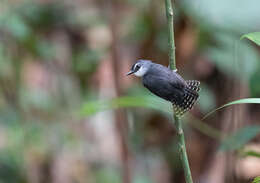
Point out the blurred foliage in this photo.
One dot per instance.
(53, 65)
(152, 102)
(251, 153)
(256, 180)
(224, 27)
(254, 36)
(240, 138)
(236, 16)
(207, 99)
(240, 101)
(232, 55)
(107, 176)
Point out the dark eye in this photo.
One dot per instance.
(137, 67)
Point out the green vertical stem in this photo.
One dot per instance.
(169, 15)
(182, 150)
(172, 62)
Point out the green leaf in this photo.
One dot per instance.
(151, 102)
(256, 180)
(232, 52)
(145, 101)
(240, 138)
(254, 36)
(240, 101)
(223, 15)
(251, 153)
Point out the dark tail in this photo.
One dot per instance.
(190, 97)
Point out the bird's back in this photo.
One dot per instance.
(170, 86)
(164, 82)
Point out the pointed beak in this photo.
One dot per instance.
(129, 73)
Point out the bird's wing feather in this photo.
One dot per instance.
(172, 87)
(163, 87)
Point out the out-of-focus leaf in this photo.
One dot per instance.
(11, 169)
(141, 28)
(240, 101)
(230, 55)
(156, 103)
(139, 3)
(219, 25)
(254, 84)
(36, 99)
(91, 108)
(86, 61)
(42, 16)
(240, 138)
(107, 175)
(256, 180)
(236, 15)
(204, 128)
(5, 63)
(142, 179)
(44, 49)
(252, 153)
(16, 26)
(207, 99)
(254, 36)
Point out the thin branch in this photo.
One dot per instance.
(172, 62)
(182, 150)
(171, 44)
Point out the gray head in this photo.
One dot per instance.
(140, 68)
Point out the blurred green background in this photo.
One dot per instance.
(68, 113)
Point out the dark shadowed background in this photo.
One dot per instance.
(68, 113)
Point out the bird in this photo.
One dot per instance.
(167, 84)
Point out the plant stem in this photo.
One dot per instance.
(171, 44)
(182, 150)
(172, 62)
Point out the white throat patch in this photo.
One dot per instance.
(141, 72)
